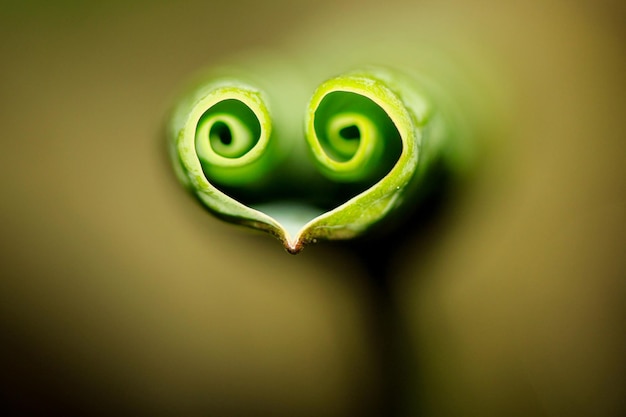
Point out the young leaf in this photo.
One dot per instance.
(371, 136)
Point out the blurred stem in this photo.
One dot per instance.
(390, 331)
(388, 335)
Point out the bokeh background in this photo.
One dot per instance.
(119, 295)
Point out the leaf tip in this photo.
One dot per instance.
(293, 247)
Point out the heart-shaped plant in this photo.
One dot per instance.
(367, 140)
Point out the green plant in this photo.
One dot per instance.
(365, 144)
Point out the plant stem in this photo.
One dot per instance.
(391, 339)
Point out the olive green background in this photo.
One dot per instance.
(120, 295)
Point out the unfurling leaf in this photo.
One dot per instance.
(366, 139)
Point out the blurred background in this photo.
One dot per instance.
(119, 295)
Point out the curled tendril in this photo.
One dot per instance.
(229, 141)
(352, 138)
(227, 135)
